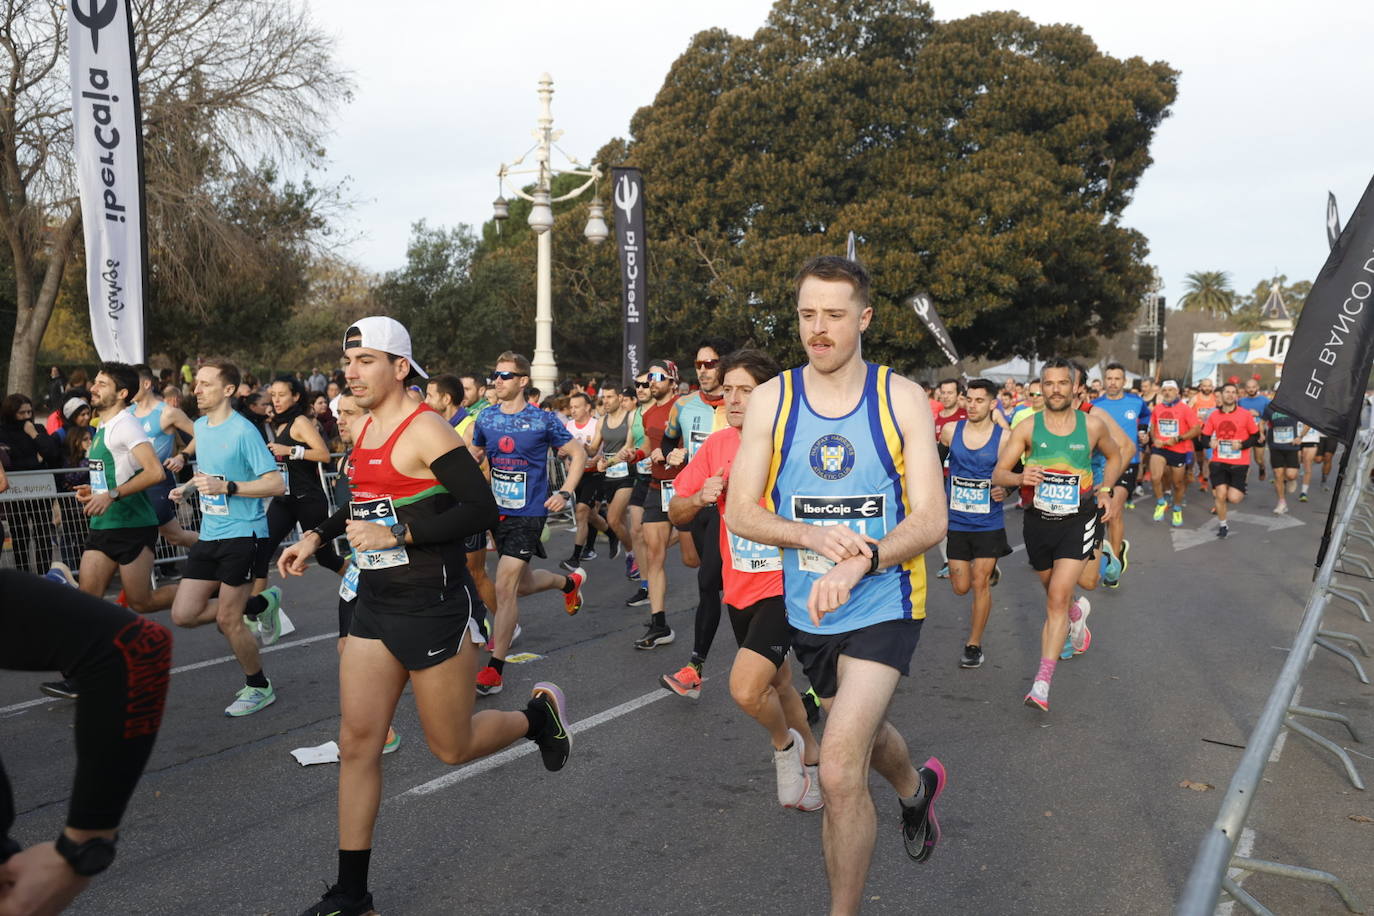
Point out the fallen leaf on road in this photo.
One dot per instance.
(1049, 814)
(1361, 819)
(1195, 786)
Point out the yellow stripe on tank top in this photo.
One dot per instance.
(914, 569)
(779, 437)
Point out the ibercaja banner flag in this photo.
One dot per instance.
(1328, 361)
(628, 196)
(925, 310)
(109, 169)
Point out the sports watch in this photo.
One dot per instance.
(89, 858)
(398, 531)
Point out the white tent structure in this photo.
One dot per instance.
(1020, 370)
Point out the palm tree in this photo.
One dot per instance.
(1209, 292)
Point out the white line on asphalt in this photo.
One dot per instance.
(514, 753)
(194, 666)
(1244, 847)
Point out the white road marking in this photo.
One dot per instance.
(194, 666)
(514, 753)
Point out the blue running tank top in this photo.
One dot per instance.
(152, 428)
(971, 506)
(846, 470)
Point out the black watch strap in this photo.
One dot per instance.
(89, 858)
(873, 560)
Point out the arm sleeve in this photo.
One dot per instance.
(474, 511)
(120, 661)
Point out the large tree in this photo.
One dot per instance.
(986, 160)
(222, 82)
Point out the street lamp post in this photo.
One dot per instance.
(543, 369)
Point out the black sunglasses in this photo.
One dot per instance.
(504, 375)
(641, 384)
(707, 363)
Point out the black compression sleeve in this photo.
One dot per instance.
(476, 507)
(334, 526)
(121, 664)
(669, 443)
(1253, 441)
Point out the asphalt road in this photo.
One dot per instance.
(667, 805)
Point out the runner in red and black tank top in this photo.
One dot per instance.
(655, 424)
(434, 572)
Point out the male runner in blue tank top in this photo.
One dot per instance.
(977, 530)
(844, 453)
(1130, 412)
(161, 422)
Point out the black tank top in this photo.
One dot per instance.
(302, 475)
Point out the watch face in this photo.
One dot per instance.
(96, 857)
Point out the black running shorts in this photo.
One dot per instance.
(1128, 478)
(1073, 537)
(976, 545)
(123, 545)
(1229, 475)
(640, 492)
(653, 507)
(890, 643)
(519, 536)
(229, 560)
(1172, 458)
(1281, 458)
(613, 485)
(420, 638)
(1327, 445)
(588, 491)
(163, 507)
(762, 627)
(475, 543)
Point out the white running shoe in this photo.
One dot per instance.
(1078, 629)
(1039, 696)
(812, 800)
(791, 772)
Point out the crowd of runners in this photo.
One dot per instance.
(802, 500)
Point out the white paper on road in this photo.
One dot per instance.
(325, 753)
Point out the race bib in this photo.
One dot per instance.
(1205, 412)
(1057, 494)
(381, 512)
(348, 586)
(865, 514)
(750, 557)
(969, 495)
(695, 439)
(218, 504)
(618, 471)
(1168, 429)
(1227, 448)
(1283, 435)
(509, 488)
(645, 467)
(98, 482)
(286, 478)
(666, 494)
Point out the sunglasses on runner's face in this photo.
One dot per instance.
(659, 377)
(1037, 394)
(707, 363)
(641, 384)
(504, 375)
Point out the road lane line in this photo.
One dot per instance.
(194, 666)
(514, 753)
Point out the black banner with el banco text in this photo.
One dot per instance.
(627, 196)
(1327, 365)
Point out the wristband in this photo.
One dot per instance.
(567, 497)
(298, 452)
(231, 488)
(873, 561)
(1107, 490)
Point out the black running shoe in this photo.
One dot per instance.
(654, 637)
(554, 742)
(813, 706)
(570, 564)
(973, 657)
(920, 828)
(62, 690)
(336, 903)
(995, 577)
(639, 598)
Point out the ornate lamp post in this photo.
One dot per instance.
(544, 371)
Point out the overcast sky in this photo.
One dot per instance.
(1269, 113)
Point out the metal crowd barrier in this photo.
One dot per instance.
(1353, 526)
(44, 522)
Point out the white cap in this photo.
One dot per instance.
(1169, 383)
(386, 334)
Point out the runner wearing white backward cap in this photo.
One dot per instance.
(379, 332)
